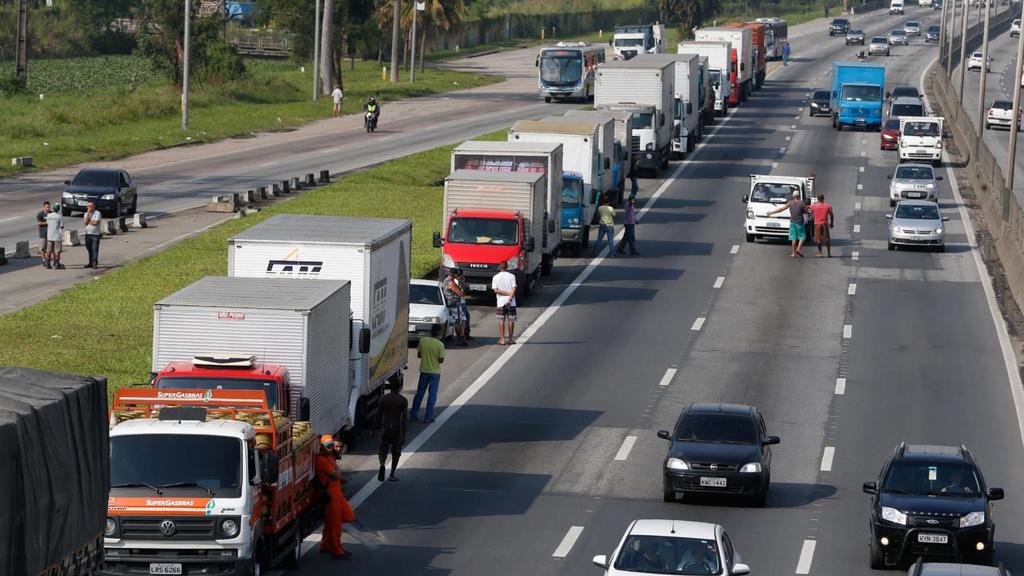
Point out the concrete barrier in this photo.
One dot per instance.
(3, 256)
(23, 161)
(285, 187)
(228, 203)
(71, 238)
(277, 190)
(122, 223)
(21, 250)
(296, 183)
(109, 227)
(139, 220)
(325, 176)
(259, 193)
(310, 180)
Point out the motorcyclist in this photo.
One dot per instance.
(372, 110)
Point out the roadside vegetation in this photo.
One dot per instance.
(117, 345)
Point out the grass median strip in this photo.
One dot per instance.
(106, 326)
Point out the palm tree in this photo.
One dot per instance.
(439, 16)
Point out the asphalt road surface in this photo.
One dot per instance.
(541, 458)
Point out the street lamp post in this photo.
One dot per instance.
(184, 68)
(415, 17)
(316, 54)
(963, 50)
(949, 49)
(984, 74)
(943, 35)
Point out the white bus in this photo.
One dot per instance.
(776, 34)
(567, 69)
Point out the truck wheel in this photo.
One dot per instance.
(689, 143)
(547, 99)
(292, 559)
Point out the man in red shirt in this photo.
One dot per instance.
(824, 219)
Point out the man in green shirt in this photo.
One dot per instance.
(431, 354)
(605, 226)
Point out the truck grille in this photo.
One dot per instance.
(634, 145)
(185, 528)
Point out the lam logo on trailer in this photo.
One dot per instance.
(291, 265)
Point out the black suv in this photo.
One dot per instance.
(931, 501)
(839, 27)
(718, 448)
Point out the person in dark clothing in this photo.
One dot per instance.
(797, 229)
(394, 418)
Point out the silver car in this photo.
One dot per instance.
(879, 46)
(913, 181)
(912, 28)
(854, 36)
(898, 38)
(917, 223)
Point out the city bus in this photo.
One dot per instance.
(567, 70)
(776, 34)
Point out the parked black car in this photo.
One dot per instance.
(839, 27)
(820, 104)
(113, 191)
(718, 448)
(931, 502)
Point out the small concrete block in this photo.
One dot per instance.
(23, 161)
(71, 238)
(109, 227)
(268, 191)
(214, 199)
(296, 183)
(3, 256)
(259, 193)
(325, 176)
(139, 220)
(286, 187)
(122, 223)
(221, 207)
(21, 249)
(240, 199)
(310, 180)
(277, 190)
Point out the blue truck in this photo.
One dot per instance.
(857, 94)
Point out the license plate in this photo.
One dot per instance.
(478, 287)
(412, 327)
(861, 120)
(165, 568)
(83, 202)
(712, 482)
(933, 538)
(775, 224)
(915, 195)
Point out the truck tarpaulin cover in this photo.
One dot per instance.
(54, 474)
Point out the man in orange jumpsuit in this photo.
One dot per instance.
(337, 509)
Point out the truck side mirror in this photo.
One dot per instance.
(689, 108)
(551, 226)
(364, 341)
(437, 240)
(607, 163)
(303, 410)
(271, 464)
(661, 115)
(744, 198)
(536, 62)
(529, 244)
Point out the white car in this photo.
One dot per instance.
(427, 305)
(1015, 28)
(975, 62)
(673, 547)
(1000, 114)
(913, 181)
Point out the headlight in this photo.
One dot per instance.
(229, 528)
(938, 230)
(972, 519)
(68, 195)
(110, 528)
(574, 221)
(897, 230)
(938, 144)
(650, 146)
(750, 214)
(751, 468)
(447, 261)
(930, 186)
(893, 515)
(676, 464)
(887, 137)
(432, 320)
(903, 143)
(513, 262)
(107, 197)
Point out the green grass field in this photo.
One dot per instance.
(89, 114)
(105, 326)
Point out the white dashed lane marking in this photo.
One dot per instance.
(719, 281)
(856, 228)
(803, 564)
(627, 445)
(698, 324)
(840, 386)
(826, 458)
(568, 541)
(667, 378)
(851, 289)
(855, 255)
(735, 249)
(847, 331)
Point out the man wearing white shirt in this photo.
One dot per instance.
(338, 98)
(504, 286)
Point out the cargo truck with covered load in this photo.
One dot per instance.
(623, 134)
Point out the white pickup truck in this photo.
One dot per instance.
(768, 192)
(921, 138)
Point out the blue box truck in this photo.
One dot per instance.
(857, 94)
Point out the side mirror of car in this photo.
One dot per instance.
(938, 177)
(889, 176)
(945, 218)
(744, 198)
(995, 494)
(601, 561)
(437, 240)
(740, 569)
(664, 435)
(870, 487)
(770, 440)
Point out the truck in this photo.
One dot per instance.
(776, 36)
(623, 135)
(213, 482)
(490, 218)
(921, 138)
(55, 476)
(741, 40)
(632, 40)
(768, 192)
(706, 93)
(647, 90)
(584, 173)
(374, 256)
(301, 325)
(613, 182)
(514, 156)
(759, 53)
(721, 70)
(685, 105)
(857, 94)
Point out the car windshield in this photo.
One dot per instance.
(194, 383)
(840, 22)
(104, 178)
(854, 32)
(1002, 105)
(879, 40)
(862, 94)
(892, 125)
(898, 33)
(773, 193)
(195, 463)
(912, 24)
(906, 110)
(976, 55)
(934, 29)
(483, 231)
(821, 95)
(668, 555)
(572, 191)
(932, 479)
(724, 428)
(918, 212)
(425, 294)
(920, 129)
(914, 173)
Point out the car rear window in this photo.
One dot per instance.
(1002, 105)
(892, 124)
(840, 22)
(821, 95)
(878, 40)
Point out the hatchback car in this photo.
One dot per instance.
(113, 191)
(1015, 28)
(1000, 113)
(839, 27)
(820, 104)
(854, 36)
(932, 34)
(906, 107)
(976, 60)
(912, 28)
(427, 306)
(912, 181)
(879, 46)
(898, 38)
(904, 92)
(931, 502)
(917, 223)
(673, 547)
(718, 449)
(890, 134)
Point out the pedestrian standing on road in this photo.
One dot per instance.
(785, 54)
(504, 286)
(797, 229)
(464, 308)
(634, 185)
(629, 238)
(54, 239)
(339, 98)
(337, 509)
(41, 223)
(454, 294)
(92, 221)
(605, 226)
(393, 411)
(824, 220)
(431, 354)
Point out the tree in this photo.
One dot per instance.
(161, 28)
(439, 16)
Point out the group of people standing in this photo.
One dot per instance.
(51, 235)
(818, 216)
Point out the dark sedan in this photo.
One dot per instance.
(113, 191)
(932, 34)
(718, 449)
(839, 27)
(820, 104)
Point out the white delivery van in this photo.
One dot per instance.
(646, 88)
(896, 7)
(768, 192)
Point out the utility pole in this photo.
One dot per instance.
(963, 49)
(21, 68)
(949, 35)
(984, 75)
(417, 6)
(184, 68)
(1013, 129)
(327, 48)
(394, 40)
(316, 54)
(943, 35)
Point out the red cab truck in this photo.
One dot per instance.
(760, 56)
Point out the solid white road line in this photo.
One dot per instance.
(698, 324)
(840, 386)
(11, 218)
(567, 543)
(719, 281)
(855, 255)
(735, 249)
(667, 378)
(826, 458)
(851, 289)
(856, 228)
(803, 565)
(627, 445)
(847, 331)
(788, 138)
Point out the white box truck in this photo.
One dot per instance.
(303, 325)
(605, 126)
(686, 105)
(742, 40)
(623, 135)
(632, 40)
(719, 55)
(374, 255)
(533, 157)
(647, 89)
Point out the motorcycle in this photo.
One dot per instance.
(370, 121)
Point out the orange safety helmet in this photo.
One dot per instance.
(327, 441)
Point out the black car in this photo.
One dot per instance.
(904, 92)
(113, 191)
(821, 103)
(839, 27)
(932, 34)
(718, 449)
(930, 501)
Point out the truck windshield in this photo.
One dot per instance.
(178, 464)
(198, 383)
(716, 78)
(921, 129)
(572, 192)
(862, 94)
(561, 68)
(772, 193)
(629, 42)
(483, 231)
(643, 119)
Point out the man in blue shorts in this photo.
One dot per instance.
(797, 230)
